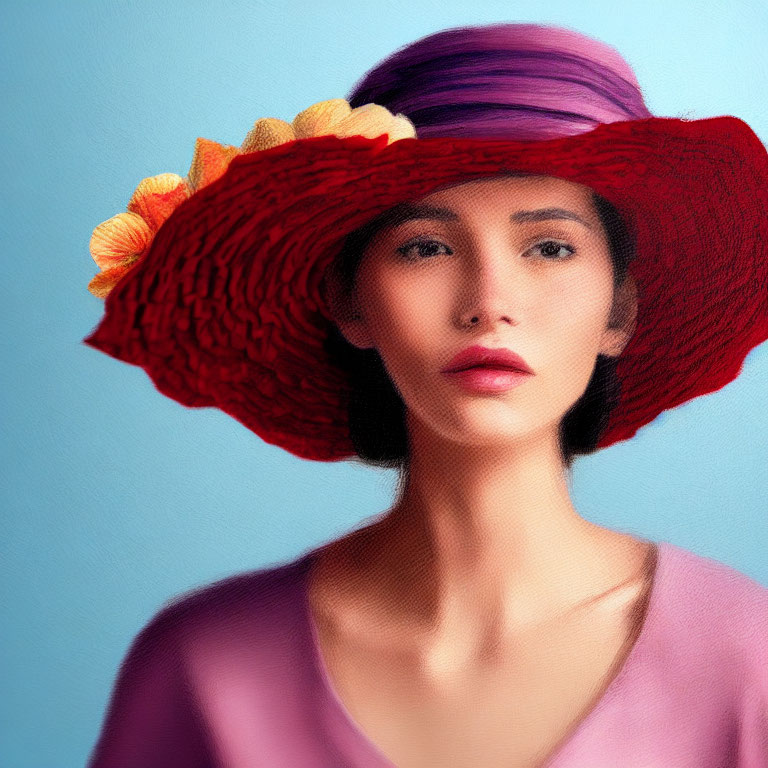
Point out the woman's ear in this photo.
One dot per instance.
(623, 318)
(345, 310)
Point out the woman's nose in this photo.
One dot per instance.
(491, 288)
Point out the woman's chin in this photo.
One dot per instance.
(492, 430)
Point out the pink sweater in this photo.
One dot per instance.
(230, 677)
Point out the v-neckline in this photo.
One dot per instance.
(370, 754)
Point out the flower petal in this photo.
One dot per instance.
(267, 132)
(401, 128)
(317, 119)
(372, 120)
(209, 161)
(125, 235)
(102, 283)
(156, 197)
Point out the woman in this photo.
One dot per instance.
(328, 285)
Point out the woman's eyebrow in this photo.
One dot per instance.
(542, 214)
(412, 211)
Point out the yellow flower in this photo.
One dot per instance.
(266, 133)
(333, 117)
(317, 119)
(372, 120)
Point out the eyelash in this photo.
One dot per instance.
(403, 249)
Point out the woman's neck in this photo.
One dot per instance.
(477, 549)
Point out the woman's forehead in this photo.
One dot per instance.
(521, 198)
(511, 185)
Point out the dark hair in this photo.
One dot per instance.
(377, 412)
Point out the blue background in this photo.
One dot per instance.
(115, 498)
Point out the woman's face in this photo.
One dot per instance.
(529, 259)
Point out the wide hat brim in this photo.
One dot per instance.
(225, 309)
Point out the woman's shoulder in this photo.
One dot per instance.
(253, 606)
(717, 607)
(236, 639)
(719, 617)
(722, 587)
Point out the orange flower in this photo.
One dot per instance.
(156, 197)
(209, 161)
(117, 244)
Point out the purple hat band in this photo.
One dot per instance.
(516, 81)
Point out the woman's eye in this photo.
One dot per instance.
(550, 250)
(421, 248)
(554, 251)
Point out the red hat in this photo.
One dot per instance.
(212, 282)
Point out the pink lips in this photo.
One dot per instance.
(486, 369)
(488, 357)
